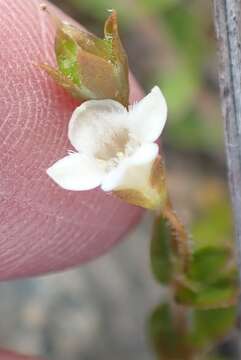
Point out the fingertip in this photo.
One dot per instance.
(8, 355)
(43, 228)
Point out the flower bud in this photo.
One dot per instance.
(90, 67)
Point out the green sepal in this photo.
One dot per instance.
(118, 55)
(88, 42)
(63, 81)
(66, 50)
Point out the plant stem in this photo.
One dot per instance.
(179, 234)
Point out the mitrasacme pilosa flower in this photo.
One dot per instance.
(115, 148)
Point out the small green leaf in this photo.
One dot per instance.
(161, 326)
(211, 325)
(167, 335)
(161, 253)
(219, 295)
(209, 264)
(178, 332)
(211, 280)
(222, 294)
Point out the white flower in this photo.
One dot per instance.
(115, 147)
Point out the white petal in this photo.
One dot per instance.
(133, 172)
(76, 172)
(148, 116)
(93, 124)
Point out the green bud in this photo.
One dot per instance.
(90, 67)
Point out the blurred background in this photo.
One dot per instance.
(100, 310)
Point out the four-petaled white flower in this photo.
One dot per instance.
(115, 147)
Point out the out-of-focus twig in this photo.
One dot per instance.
(227, 17)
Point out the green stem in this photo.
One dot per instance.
(179, 237)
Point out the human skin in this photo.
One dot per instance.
(43, 228)
(7, 355)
